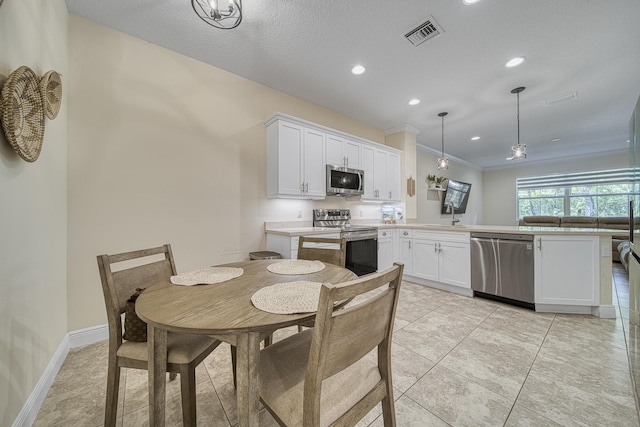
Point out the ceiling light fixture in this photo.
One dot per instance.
(358, 69)
(560, 98)
(514, 62)
(470, 2)
(518, 151)
(223, 14)
(414, 101)
(475, 138)
(443, 162)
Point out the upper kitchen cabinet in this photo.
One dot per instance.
(298, 152)
(342, 152)
(381, 174)
(295, 161)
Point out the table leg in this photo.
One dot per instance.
(248, 385)
(157, 368)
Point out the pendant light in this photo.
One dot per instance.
(518, 151)
(223, 14)
(443, 162)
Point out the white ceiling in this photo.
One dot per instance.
(306, 48)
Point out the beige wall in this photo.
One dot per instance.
(406, 142)
(165, 149)
(499, 203)
(33, 216)
(429, 201)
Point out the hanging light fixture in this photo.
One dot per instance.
(518, 151)
(223, 14)
(443, 162)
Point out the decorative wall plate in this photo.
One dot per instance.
(51, 88)
(23, 113)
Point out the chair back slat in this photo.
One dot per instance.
(335, 255)
(355, 332)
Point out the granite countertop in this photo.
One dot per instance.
(301, 228)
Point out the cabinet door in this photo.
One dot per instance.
(405, 246)
(425, 259)
(393, 177)
(289, 152)
(455, 264)
(351, 152)
(368, 155)
(334, 151)
(314, 164)
(380, 175)
(385, 253)
(567, 270)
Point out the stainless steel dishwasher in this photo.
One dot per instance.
(502, 267)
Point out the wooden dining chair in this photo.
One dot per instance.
(335, 256)
(184, 352)
(325, 376)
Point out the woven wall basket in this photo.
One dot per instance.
(51, 88)
(23, 113)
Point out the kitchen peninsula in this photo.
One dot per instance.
(572, 266)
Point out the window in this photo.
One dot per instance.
(597, 193)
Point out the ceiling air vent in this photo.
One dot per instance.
(423, 32)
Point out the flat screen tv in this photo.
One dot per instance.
(458, 193)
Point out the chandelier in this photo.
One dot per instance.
(443, 162)
(518, 151)
(223, 14)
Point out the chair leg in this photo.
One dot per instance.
(233, 364)
(113, 387)
(300, 328)
(268, 340)
(388, 412)
(188, 394)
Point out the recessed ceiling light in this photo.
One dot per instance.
(514, 62)
(555, 140)
(358, 69)
(414, 101)
(469, 2)
(475, 138)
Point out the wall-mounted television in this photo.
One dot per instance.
(458, 193)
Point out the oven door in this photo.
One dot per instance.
(362, 256)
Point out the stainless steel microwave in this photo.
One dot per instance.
(342, 181)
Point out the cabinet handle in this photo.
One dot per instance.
(302, 188)
(435, 247)
(306, 187)
(384, 233)
(439, 247)
(540, 243)
(390, 195)
(406, 233)
(409, 244)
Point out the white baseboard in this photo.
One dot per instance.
(74, 339)
(86, 336)
(29, 411)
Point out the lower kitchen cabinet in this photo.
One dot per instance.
(386, 249)
(436, 257)
(558, 284)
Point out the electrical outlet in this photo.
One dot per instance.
(299, 213)
(361, 214)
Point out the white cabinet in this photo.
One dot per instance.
(442, 257)
(557, 283)
(381, 174)
(342, 152)
(386, 249)
(295, 161)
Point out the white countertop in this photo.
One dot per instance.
(288, 229)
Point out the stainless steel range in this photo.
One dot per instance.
(362, 242)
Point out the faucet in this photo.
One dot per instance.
(452, 209)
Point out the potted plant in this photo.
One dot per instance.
(431, 181)
(439, 181)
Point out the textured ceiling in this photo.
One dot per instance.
(306, 48)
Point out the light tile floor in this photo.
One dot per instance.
(457, 361)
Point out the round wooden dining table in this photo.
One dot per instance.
(225, 311)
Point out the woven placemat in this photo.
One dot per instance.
(207, 276)
(288, 298)
(296, 266)
(23, 113)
